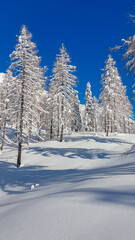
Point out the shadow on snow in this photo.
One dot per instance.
(16, 181)
(25, 176)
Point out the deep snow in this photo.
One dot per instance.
(82, 188)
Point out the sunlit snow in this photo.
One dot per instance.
(82, 188)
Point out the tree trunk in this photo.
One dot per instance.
(21, 136)
(114, 119)
(16, 132)
(39, 129)
(21, 120)
(128, 127)
(3, 136)
(105, 124)
(61, 135)
(39, 134)
(112, 126)
(107, 127)
(62, 127)
(58, 128)
(29, 131)
(124, 125)
(51, 129)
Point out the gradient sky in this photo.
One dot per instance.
(87, 29)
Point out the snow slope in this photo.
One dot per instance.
(82, 188)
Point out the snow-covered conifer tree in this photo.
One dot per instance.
(89, 111)
(62, 92)
(76, 122)
(129, 53)
(115, 102)
(5, 103)
(97, 120)
(28, 77)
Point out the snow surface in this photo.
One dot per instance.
(82, 188)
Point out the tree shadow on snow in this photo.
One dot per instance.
(83, 153)
(16, 181)
(100, 139)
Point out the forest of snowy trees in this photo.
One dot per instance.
(35, 112)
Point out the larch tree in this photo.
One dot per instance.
(129, 53)
(116, 105)
(62, 92)
(89, 111)
(5, 102)
(76, 122)
(54, 105)
(96, 121)
(28, 78)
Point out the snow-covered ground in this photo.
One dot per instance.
(82, 188)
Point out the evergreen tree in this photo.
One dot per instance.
(97, 120)
(89, 111)
(116, 106)
(129, 53)
(5, 104)
(76, 122)
(62, 94)
(28, 77)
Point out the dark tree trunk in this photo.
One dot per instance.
(39, 134)
(51, 130)
(19, 154)
(61, 135)
(21, 118)
(20, 137)
(58, 128)
(107, 127)
(112, 126)
(62, 127)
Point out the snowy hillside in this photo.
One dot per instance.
(82, 188)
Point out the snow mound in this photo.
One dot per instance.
(32, 187)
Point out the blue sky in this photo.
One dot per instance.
(87, 28)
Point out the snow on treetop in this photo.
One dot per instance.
(2, 77)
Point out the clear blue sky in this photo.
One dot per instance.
(87, 28)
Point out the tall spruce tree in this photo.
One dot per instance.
(129, 53)
(116, 107)
(5, 104)
(96, 107)
(28, 77)
(62, 92)
(89, 110)
(76, 122)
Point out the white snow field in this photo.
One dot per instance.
(80, 189)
